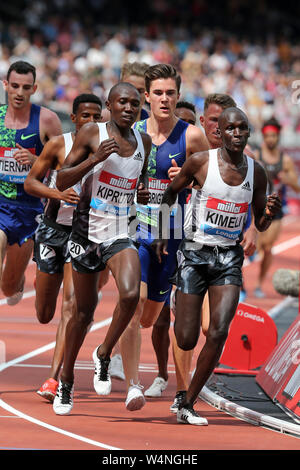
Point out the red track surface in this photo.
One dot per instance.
(28, 422)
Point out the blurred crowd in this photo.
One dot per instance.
(249, 50)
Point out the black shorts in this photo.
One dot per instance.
(89, 257)
(51, 246)
(199, 268)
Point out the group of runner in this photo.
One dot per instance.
(152, 199)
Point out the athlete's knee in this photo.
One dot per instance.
(44, 313)
(217, 335)
(130, 298)
(68, 306)
(83, 317)
(185, 340)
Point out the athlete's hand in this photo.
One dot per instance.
(160, 247)
(70, 196)
(23, 156)
(173, 170)
(249, 241)
(273, 205)
(143, 194)
(105, 149)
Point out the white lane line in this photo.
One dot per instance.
(47, 347)
(283, 246)
(12, 410)
(18, 413)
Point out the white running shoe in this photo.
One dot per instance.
(102, 380)
(116, 367)
(188, 415)
(63, 401)
(135, 399)
(158, 386)
(173, 301)
(15, 298)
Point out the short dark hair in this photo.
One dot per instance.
(221, 99)
(133, 68)
(85, 98)
(120, 85)
(186, 104)
(22, 68)
(272, 122)
(157, 71)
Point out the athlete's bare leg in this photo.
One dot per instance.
(223, 301)
(161, 341)
(47, 287)
(3, 245)
(67, 310)
(13, 275)
(265, 244)
(131, 339)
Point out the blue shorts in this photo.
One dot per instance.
(18, 223)
(157, 275)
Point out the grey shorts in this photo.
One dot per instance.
(207, 266)
(89, 257)
(51, 246)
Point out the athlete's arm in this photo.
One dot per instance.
(264, 208)
(50, 125)
(84, 155)
(196, 140)
(47, 160)
(142, 190)
(288, 175)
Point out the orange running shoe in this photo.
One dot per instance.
(48, 389)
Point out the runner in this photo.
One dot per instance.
(210, 257)
(24, 129)
(281, 172)
(51, 238)
(172, 142)
(109, 159)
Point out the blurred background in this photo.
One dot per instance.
(250, 50)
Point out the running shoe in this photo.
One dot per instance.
(17, 297)
(48, 389)
(187, 415)
(63, 401)
(179, 398)
(135, 399)
(173, 302)
(102, 380)
(158, 386)
(116, 367)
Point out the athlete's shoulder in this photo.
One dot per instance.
(196, 139)
(50, 124)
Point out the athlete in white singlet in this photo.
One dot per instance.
(110, 161)
(210, 257)
(52, 235)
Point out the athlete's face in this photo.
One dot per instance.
(234, 131)
(86, 112)
(271, 139)
(162, 97)
(19, 88)
(124, 106)
(139, 83)
(209, 121)
(186, 115)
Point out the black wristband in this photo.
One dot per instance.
(266, 216)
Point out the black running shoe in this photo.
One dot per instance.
(179, 398)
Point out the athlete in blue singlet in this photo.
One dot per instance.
(173, 141)
(24, 128)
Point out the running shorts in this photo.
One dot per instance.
(89, 257)
(19, 223)
(155, 274)
(51, 246)
(205, 266)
